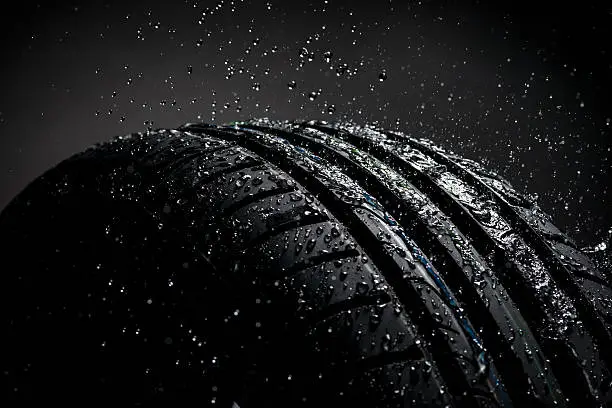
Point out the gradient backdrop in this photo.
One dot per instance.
(523, 87)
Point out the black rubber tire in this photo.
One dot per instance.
(278, 264)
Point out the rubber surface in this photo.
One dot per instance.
(280, 264)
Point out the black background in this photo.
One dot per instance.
(523, 87)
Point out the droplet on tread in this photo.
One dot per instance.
(296, 197)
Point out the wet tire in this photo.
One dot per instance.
(293, 264)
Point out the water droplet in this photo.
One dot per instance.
(295, 197)
(256, 86)
(189, 69)
(382, 76)
(313, 95)
(528, 353)
(292, 85)
(386, 341)
(341, 69)
(331, 109)
(602, 246)
(375, 320)
(327, 55)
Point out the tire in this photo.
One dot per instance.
(269, 264)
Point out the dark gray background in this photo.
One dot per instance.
(523, 87)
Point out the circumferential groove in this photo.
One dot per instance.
(456, 381)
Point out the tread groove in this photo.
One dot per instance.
(596, 279)
(277, 229)
(253, 198)
(230, 169)
(184, 159)
(355, 302)
(412, 353)
(321, 259)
